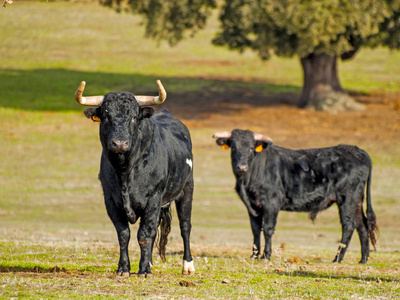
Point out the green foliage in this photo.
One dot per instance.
(303, 27)
(390, 28)
(279, 27)
(168, 20)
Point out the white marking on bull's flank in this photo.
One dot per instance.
(189, 162)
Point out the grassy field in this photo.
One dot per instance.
(56, 240)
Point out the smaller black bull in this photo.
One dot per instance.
(270, 179)
(146, 164)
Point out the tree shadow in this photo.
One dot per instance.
(311, 274)
(36, 269)
(53, 90)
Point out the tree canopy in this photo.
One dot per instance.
(289, 27)
(168, 20)
(312, 30)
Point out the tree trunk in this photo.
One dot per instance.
(322, 89)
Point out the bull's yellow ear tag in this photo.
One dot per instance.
(95, 119)
(225, 147)
(259, 148)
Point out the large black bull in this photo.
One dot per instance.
(270, 178)
(146, 163)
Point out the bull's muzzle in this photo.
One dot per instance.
(242, 168)
(119, 146)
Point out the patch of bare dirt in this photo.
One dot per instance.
(279, 117)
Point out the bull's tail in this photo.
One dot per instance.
(370, 220)
(164, 225)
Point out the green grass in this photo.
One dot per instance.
(56, 240)
(82, 272)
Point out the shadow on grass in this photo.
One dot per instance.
(322, 277)
(53, 90)
(326, 277)
(44, 270)
(36, 269)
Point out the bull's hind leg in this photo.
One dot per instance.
(184, 212)
(362, 233)
(121, 224)
(350, 217)
(347, 232)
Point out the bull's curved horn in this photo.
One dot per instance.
(263, 138)
(151, 100)
(87, 101)
(222, 134)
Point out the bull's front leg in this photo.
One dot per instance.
(270, 218)
(256, 225)
(146, 235)
(124, 265)
(121, 225)
(124, 234)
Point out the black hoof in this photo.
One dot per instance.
(265, 258)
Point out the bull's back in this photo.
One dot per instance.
(312, 176)
(326, 163)
(341, 162)
(172, 129)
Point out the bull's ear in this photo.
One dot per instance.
(91, 113)
(261, 145)
(224, 143)
(147, 112)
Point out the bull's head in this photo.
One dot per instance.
(119, 114)
(243, 144)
